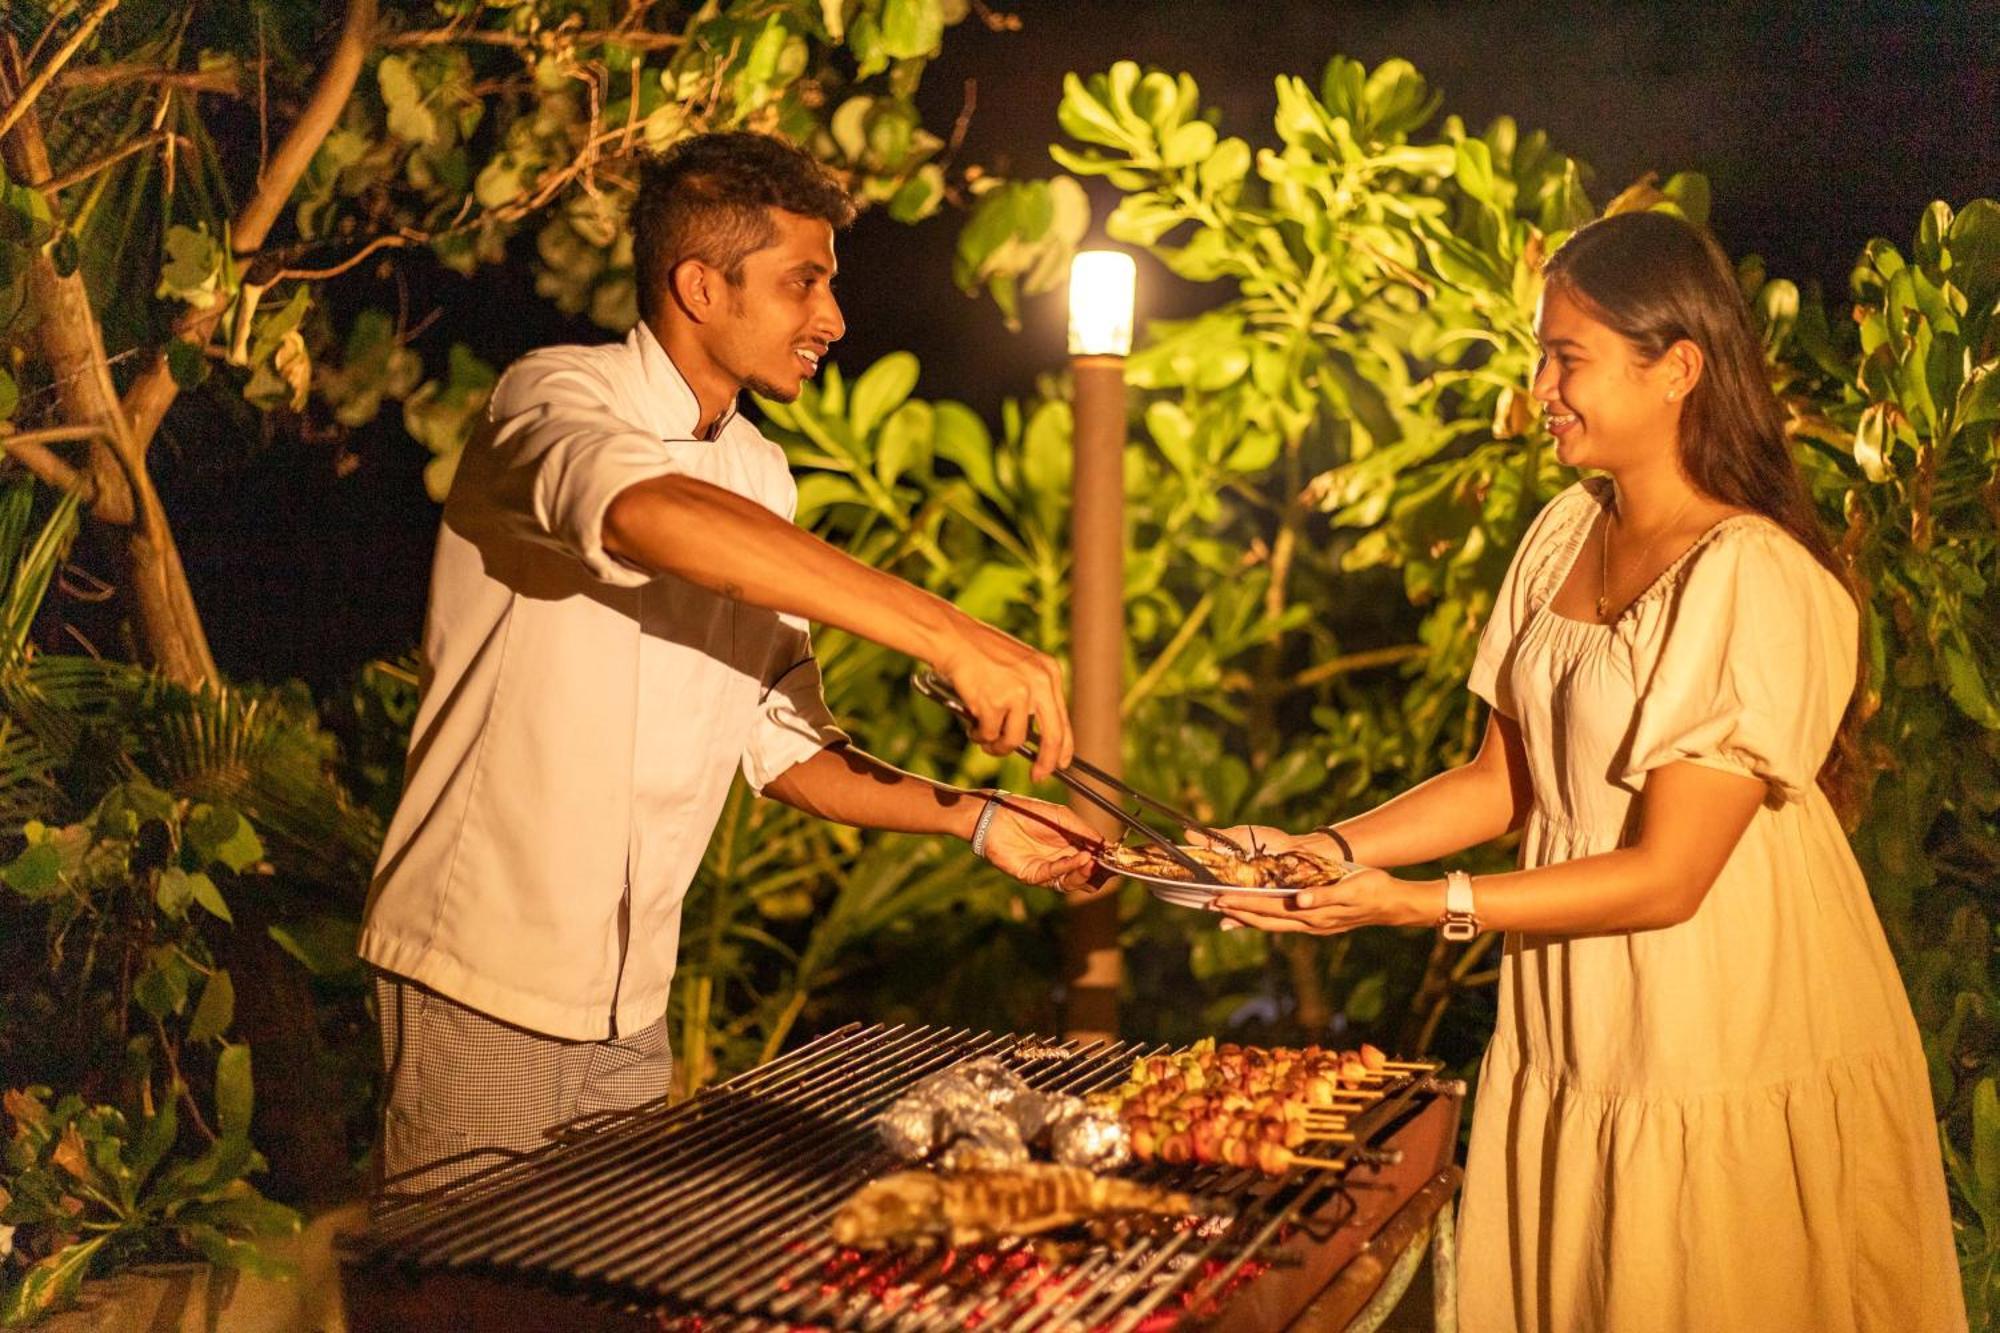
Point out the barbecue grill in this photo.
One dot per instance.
(711, 1216)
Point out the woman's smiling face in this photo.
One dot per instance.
(1606, 407)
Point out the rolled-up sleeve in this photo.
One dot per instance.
(564, 455)
(793, 723)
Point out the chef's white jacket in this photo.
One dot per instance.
(580, 719)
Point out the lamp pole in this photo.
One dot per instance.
(1100, 335)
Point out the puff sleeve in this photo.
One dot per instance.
(1755, 667)
(1520, 593)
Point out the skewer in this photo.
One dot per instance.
(1324, 1163)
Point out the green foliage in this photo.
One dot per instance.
(87, 1187)
(133, 888)
(1898, 407)
(131, 859)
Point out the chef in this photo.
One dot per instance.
(617, 624)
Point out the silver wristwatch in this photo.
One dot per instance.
(1459, 923)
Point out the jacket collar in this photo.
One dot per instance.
(671, 409)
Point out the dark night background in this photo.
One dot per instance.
(1818, 126)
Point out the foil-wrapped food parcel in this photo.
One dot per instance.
(979, 1115)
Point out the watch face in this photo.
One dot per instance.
(1459, 931)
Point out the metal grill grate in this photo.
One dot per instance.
(719, 1206)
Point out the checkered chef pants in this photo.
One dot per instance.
(458, 1082)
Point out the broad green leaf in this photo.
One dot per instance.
(173, 894)
(905, 442)
(233, 1092)
(186, 363)
(325, 945)
(880, 391)
(1474, 170)
(920, 196)
(1689, 191)
(1189, 144)
(823, 490)
(959, 436)
(911, 28)
(10, 395)
(217, 833)
(163, 986)
(51, 1283)
(209, 896)
(1365, 1001)
(1986, 1145)
(36, 872)
(216, 1008)
(229, 1252)
(409, 116)
(193, 268)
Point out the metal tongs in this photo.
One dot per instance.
(937, 689)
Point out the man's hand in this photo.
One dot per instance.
(1007, 685)
(1040, 843)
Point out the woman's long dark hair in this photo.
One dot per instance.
(1656, 279)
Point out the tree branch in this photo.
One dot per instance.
(35, 456)
(34, 86)
(381, 242)
(77, 175)
(640, 40)
(194, 80)
(153, 391)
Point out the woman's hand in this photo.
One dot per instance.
(1365, 898)
(1256, 838)
(1041, 843)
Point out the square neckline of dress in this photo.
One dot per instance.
(1580, 538)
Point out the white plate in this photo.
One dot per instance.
(1184, 893)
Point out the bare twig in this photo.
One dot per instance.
(263, 102)
(34, 86)
(221, 80)
(644, 41)
(387, 241)
(1361, 661)
(42, 461)
(77, 175)
(174, 1072)
(964, 121)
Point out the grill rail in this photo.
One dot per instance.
(717, 1208)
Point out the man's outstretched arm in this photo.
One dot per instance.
(1032, 840)
(733, 546)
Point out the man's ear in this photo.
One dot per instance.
(696, 289)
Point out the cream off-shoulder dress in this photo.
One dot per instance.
(1726, 1124)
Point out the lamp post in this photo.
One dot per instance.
(1101, 284)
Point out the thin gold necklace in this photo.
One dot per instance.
(1604, 554)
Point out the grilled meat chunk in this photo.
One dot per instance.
(979, 1206)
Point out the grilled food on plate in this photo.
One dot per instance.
(1282, 870)
(979, 1206)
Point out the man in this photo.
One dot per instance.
(617, 623)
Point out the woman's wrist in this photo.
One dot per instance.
(1334, 842)
(1423, 902)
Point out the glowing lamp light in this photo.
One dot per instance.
(1101, 284)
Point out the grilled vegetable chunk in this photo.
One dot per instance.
(980, 1206)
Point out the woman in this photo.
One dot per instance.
(1705, 1105)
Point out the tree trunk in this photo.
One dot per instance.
(120, 492)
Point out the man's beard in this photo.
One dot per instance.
(763, 388)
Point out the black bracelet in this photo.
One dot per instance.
(1346, 848)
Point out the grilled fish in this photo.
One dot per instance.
(979, 1206)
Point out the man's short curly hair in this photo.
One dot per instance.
(709, 198)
